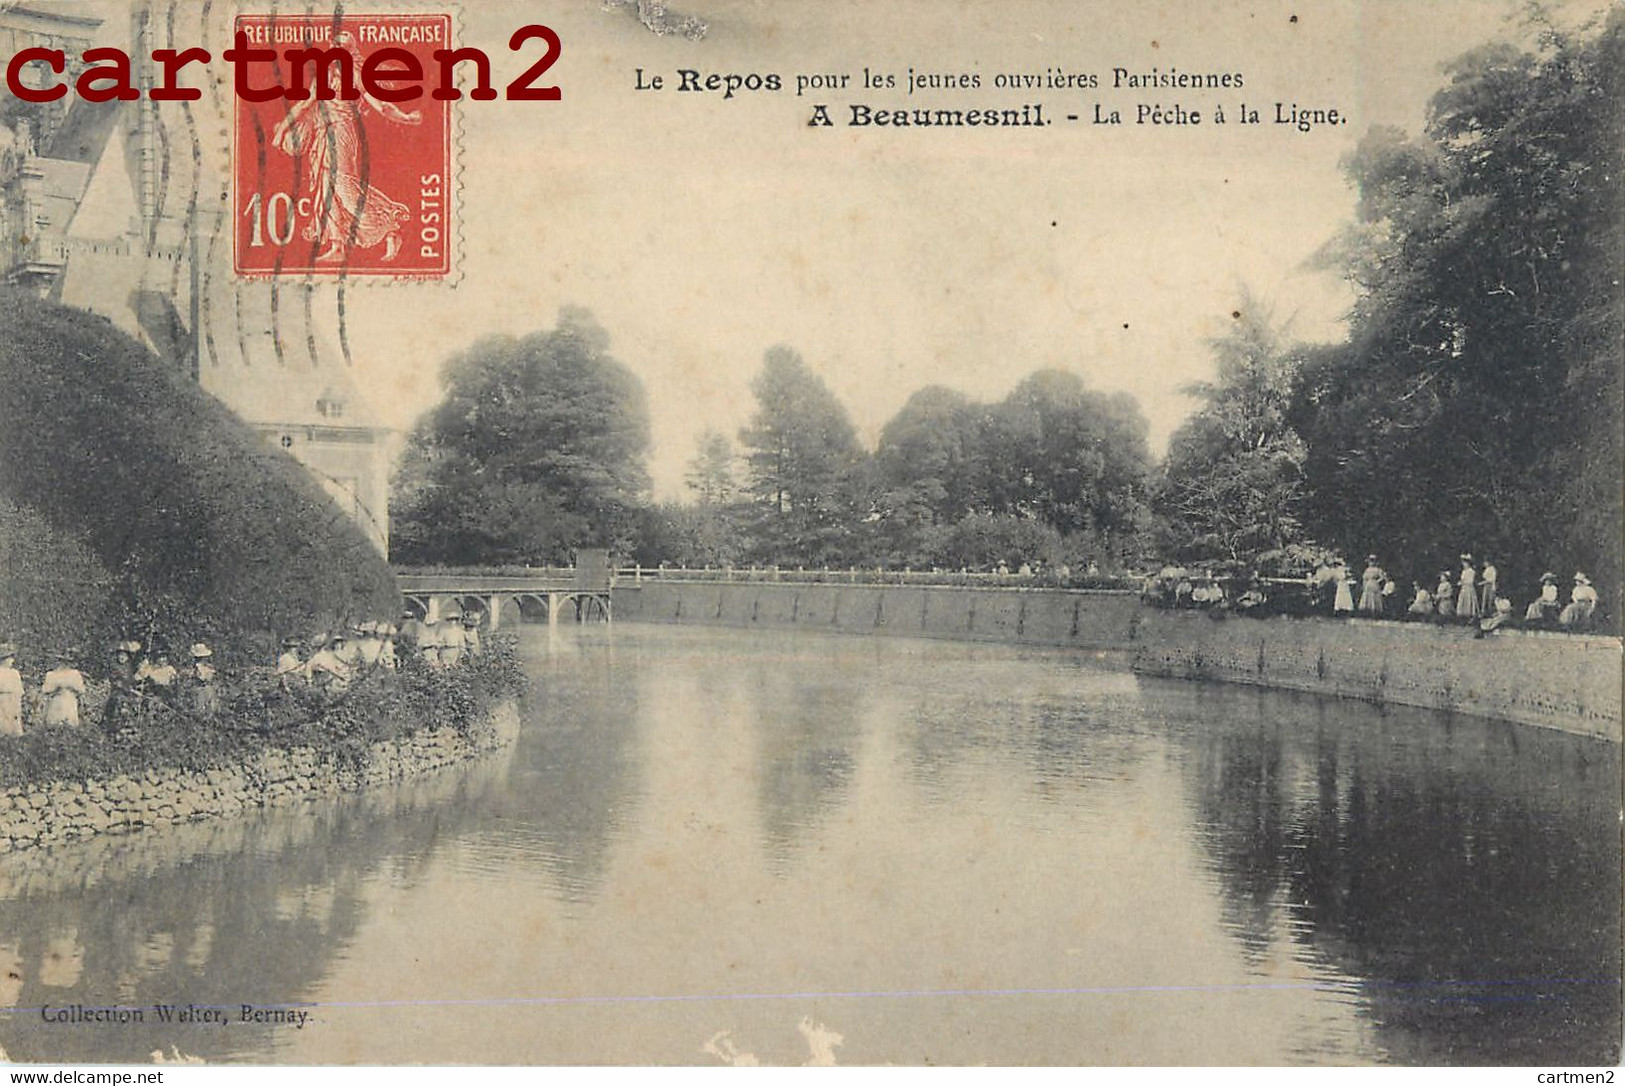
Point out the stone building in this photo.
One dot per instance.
(121, 209)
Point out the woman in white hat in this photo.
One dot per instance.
(1371, 587)
(11, 692)
(1544, 606)
(202, 695)
(1582, 602)
(1441, 596)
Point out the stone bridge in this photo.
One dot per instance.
(543, 594)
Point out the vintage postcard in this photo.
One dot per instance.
(811, 532)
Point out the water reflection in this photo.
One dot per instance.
(251, 909)
(715, 844)
(1468, 872)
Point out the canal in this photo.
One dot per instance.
(727, 845)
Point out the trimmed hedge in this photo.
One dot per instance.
(54, 592)
(201, 528)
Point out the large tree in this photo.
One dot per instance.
(710, 475)
(1232, 485)
(1079, 457)
(537, 448)
(1477, 404)
(801, 456)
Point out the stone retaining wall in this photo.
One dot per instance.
(1023, 616)
(1568, 682)
(1564, 681)
(32, 816)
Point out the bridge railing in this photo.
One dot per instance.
(453, 578)
(875, 576)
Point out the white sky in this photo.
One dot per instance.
(702, 231)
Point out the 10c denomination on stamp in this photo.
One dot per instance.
(331, 178)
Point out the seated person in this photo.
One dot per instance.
(1582, 602)
(1543, 611)
(1496, 618)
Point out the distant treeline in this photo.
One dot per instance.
(1475, 406)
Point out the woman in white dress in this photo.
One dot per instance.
(62, 688)
(1467, 597)
(1343, 602)
(1371, 587)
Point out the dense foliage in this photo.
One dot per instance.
(537, 448)
(1477, 404)
(801, 468)
(258, 716)
(1232, 485)
(130, 498)
(1054, 473)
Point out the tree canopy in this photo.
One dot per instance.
(801, 453)
(537, 448)
(1232, 485)
(1477, 404)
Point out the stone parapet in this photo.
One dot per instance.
(1564, 681)
(1025, 616)
(35, 815)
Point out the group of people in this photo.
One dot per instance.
(340, 658)
(137, 673)
(140, 673)
(1473, 595)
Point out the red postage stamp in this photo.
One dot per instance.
(331, 179)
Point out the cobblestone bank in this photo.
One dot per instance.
(33, 816)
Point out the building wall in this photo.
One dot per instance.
(91, 221)
(351, 464)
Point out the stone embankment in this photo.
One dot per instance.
(1568, 682)
(1023, 616)
(36, 815)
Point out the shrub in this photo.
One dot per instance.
(258, 716)
(200, 528)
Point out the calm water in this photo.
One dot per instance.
(720, 845)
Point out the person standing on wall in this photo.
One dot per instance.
(1487, 589)
(202, 695)
(290, 670)
(62, 688)
(1467, 597)
(1371, 587)
(1343, 601)
(11, 692)
(1441, 594)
